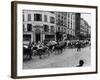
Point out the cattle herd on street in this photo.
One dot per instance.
(41, 49)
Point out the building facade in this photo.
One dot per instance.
(65, 24)
(70, 19)
(38, 26)
(61, 21)
(77, 25)
(84, 29)
(46, 25)
(60, 25)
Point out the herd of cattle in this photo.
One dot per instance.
(51, 47)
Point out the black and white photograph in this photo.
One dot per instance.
(56, 39)
(53, 39)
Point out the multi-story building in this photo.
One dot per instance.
(70, 23)
(65, 24)
(46, 25)
(60, 25)
(84, 29)
(61, 21)
(77, 25)
(38, 26)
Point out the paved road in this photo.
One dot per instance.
(69, 58)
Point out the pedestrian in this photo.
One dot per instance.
(30, 50)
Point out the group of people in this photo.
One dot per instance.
(42, 48)
(49, 47)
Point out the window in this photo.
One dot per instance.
(46, 28)
(45, 18)
(58, 28)
(68, 32)
(71, 32)
(29, 27)
(37, 17)
(52, 20)
(61, 22)
(58, 22)
(68, 26)
(26, 37)
(71, 16)
(58, 15)
(23, 18)
(68, 15)
(52, 29)
(23, 27)
(52, 12)
(29, 17)
(62, 29)
(62, 17)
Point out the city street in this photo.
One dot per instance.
(69, 58)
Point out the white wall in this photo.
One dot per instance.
(5, 40)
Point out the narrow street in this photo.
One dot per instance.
(69, 58)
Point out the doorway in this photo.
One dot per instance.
(37, 37)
